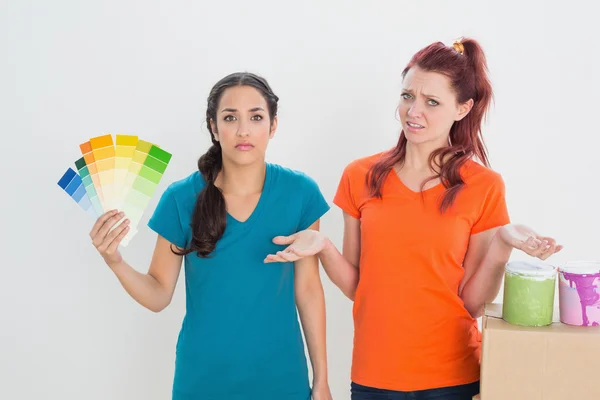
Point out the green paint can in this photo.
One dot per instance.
(529, 289)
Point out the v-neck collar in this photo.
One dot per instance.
(398, 183)
(233, 222)
(259, 205)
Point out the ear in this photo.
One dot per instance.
(273, 127)
(213, 128)
(464, 109)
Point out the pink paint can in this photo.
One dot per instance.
(579, 293)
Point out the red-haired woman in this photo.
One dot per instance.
(426, 236)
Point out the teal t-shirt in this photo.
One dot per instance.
(241, 338)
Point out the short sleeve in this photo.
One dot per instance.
(166, 219)
(314, 204)
(494, 211)
(344, 197)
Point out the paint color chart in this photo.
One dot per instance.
(145, 172)
(73, 185)
(90, 189)
(124, 151)
(103, 149)
(122, 174)
(90, 162)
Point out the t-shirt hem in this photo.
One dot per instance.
(301, 394)
(411, 387)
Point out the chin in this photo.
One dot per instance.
(417, 138)
(245, 159)
(436, 141)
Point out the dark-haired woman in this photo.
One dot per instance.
(240, 337)
(426, 236)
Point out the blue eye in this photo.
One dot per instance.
(405, 96)
(433, 102)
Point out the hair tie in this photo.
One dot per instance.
(458, 46)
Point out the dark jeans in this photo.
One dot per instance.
(461, 392)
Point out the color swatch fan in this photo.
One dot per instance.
(122, 174)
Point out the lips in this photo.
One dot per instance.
(244, 146)
(414, 125)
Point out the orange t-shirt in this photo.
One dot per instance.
(411, 329)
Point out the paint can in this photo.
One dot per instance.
(579, 293)
(529, 289)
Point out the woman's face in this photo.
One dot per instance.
(243, 126)
(428, 107)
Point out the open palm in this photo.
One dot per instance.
(525, 239)
(302, 244)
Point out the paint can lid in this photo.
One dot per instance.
(581, 267)
(531, 268)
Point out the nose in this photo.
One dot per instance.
(243, 129)
(415, 110)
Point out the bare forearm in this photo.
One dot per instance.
(341, 272)
(144, 288)
(484, 285)
(311, 308)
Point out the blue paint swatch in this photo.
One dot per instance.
(72, 184)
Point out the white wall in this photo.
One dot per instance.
(71, 70)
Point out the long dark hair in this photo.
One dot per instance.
(210, 213)
(465, 65)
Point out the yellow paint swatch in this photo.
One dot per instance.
(124, 152)
(103, 150)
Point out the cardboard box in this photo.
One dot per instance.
(554, 362)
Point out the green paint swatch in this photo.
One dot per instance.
(150, 174)
(84, 172)
(80, 163)
(144, 186)
(160, 154)
(155, 164)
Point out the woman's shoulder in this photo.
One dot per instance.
(188, 185)
(291, 176)
(476, 175)
(360, 167)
